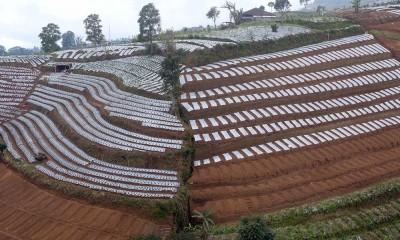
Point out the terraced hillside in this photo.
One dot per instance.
(291, 127)
(72, 122)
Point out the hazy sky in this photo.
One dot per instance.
(21, 21)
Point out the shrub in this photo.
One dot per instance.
(254, 228)
(274, 27)
(3, 147)
(146, 237)
(182, 236)
(170, 70)
(156, 49)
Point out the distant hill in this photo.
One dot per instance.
(334, 4)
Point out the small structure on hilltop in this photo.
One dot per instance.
(62, 67)
(257, 14)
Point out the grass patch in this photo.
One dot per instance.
(294, 219)
(386, 34)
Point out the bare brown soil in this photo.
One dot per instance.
(269, 183)
(28, 212)
(367, 17)
(299, 177)
(391, 26)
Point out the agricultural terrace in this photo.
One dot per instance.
(263, 123)
(267, 126)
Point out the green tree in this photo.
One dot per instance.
(356, 5)
(3, 147)
(234, 14)
(94, 29)
(305, 3)
(79, 41)
(213, 14)
(282, 6)
(271, 5)
(320, 9)
(68, 40)
(49, 37)
(149, 24)
(3, 50)
(205, 218)
(170, 70)
(254, 228)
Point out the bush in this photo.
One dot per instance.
(274, 27)
(254, 228)
(156, 49)
(182, 236)
(146, 237)
(3, 147)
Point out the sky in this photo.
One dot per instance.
(21, 21)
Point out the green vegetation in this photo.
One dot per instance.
(344, 226)
(149, 24)
(387, 34)
(3, 147)
(323, 25)
(94, 29)
(213, 14)
(68, 40)
(205, 218)
(254, 228)
(184, 235)
(152, 209)
(274, 27)
(234, 14)
(146, 237)
(49, 36)
(356, 5)
(371, 211)
(170, 70)
(305, 3)
(3, 50)
(223, 52)
(282, 6)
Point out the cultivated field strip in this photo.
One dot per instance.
(392, 9)
(233, 134)
(70, 164)
(249, 116)
(93, 53)
(203, 43)
(31, 61)
(285, 82)
(264, 93)
(16, 83)
(299, 141)
(384, 218)
(140, 72)
(266, 141)
(301, 177)
(149, 112)
(27, 212)
(228, 68)
(241, 116)
(87, 121)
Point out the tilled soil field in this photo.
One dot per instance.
(238, 170)
(28, 212)
(299, 177)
